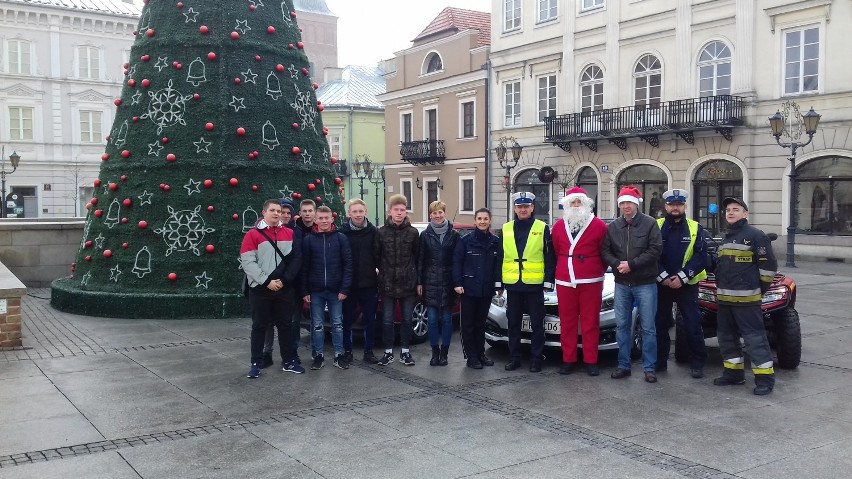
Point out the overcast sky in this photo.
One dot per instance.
(372, 30)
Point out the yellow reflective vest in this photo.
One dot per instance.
(529, 268)
(693, 234)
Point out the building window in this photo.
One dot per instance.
(468, 119)
(512, 104)
(547, 10)
(431, 192)
(714, 70)
(824, 196)
(588, 180)
(90, 63)
(21, 202)
(714, 181)
(20, 123)
(467, 195)
(591, 89)
(90, 127)
(801, 61)
(405, 189)
(19, 57)
(405, 127)
(648, 80)
(433, 63)
(334, 142)
(651, 182)
(546, 97)
(511, 15)
(592, 4)
(527, 180)
(430, 124)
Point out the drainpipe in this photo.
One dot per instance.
(351, 146)
(487, 67)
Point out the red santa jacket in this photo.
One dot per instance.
(578, 257)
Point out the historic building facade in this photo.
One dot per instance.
(666, 95)
(435, 117)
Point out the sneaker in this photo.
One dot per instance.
(267, 361)
(293, 367)
(620, 373)
(340, 362)
(370, 358)
(386, 359)
(405, 358)
(319, 362)
(254, 371)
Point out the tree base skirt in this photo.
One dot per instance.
(69, 298)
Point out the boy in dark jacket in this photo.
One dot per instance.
(396, 250)
(361, 235)
(327, 277)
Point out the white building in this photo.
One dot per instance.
(676, 94)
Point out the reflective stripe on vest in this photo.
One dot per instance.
(532, 271)
(693, 234)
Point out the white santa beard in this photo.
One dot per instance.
(576, 217)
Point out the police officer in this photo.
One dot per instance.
(682, 266)
(529, 268)
(744, 271)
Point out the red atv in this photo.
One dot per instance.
(779, 316)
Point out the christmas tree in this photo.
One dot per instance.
(217, 115)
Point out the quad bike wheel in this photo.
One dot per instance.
(787, 333)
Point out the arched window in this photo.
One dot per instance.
(714, 70)
(652, 182)
(713, 182)
(588, 180)
(528, 180)
(824, 196)
(647, 81)
(433, 63)
(591, 89)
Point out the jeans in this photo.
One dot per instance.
(645, 295)
(268, 310)
(366, 298)
(440, 325)
(686, 298)
(406, 306)
(319, 301)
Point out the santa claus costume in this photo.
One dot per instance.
(577, 240)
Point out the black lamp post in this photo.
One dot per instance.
(504, 145)
(377, 177)
(361, 166)
(777, 124)
(15, 160)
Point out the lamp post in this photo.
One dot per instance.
(377, 178)
(504, 145)
(362, 167)
(810, 121)
(15, 160)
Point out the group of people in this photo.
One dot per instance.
(656, 263)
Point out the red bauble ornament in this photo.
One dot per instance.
(333, 160)
(203, 29)
(300, 45)
(113, 186)
(241, 131)
(171, 157)
(88, 206)
(167, 188)
(145, 58)
(257, 58)
(270, 30)
(124, 245)
(338, 181)
(208, 183)
(208, 127)
(99, 213)
(127, 202)
(305, 72)
(179, 66)
(124, 221)
(143, 224)
(107, 253)
(320, 108)
(88, 258)
(293, 14)
(126, 65)
(318, 181)
(105, 157)
(211, 208)
(210, 248)
(135, 119)
(296, 150)
(233, 182)
(315, 85)
(131, 83)
(123, 177)
(235, 36)
(237, 81)
(254, 187)
(165, 140)
(172, 276)
(318, 199)
(150, 32)
(334, 214)
(297, 196)
(89, 244)
(255, 153)
(125, 154)
(311, 187)
(93, 201)
(180, 4)
(162, 185)
(235, 216)
(97, 182)
(291, 46)
(252, 7)
(117, 102)
(196, 96)
(211, 56)
(146, 83)
(279, 68)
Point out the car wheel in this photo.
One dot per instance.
(788, 338)
(681, 353)
(636, 340)
(419, 324)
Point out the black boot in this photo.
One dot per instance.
(485, 360)
(442, 359)
(435, 356)
(763, 384)
(730, 377)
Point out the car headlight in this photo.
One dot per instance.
(707, 296)
(774, 295)
(608, 303)
(499, 301)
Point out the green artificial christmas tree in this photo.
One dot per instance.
(217, 114)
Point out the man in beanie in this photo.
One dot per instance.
(744, 271)
(577, 240)
(682, 265)
(528, 269)
(632, 249)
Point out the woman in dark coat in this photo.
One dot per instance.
(476, 275)
(437, 244)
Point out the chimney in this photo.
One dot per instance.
(332, 74)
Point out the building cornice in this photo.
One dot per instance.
(445, 85)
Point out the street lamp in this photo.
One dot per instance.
(377, 177)
(15, 160)
(777, 123)
(362, 167)
(504, 145)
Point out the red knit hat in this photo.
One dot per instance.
(629, 193)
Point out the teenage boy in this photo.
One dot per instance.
(327, 271)
(396, 249)
(304, 224)
(271, 265)
(361, 235)
(307, 216)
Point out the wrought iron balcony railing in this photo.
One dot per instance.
(422, 152)
(681, 117)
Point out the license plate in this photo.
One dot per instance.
(550, 327)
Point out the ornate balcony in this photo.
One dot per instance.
(422, 152)
(681, 117)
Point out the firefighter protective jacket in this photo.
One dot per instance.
(746, 265)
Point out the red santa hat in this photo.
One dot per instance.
(629, 193)
(573, 193)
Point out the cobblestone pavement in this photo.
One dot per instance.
(100, 397)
